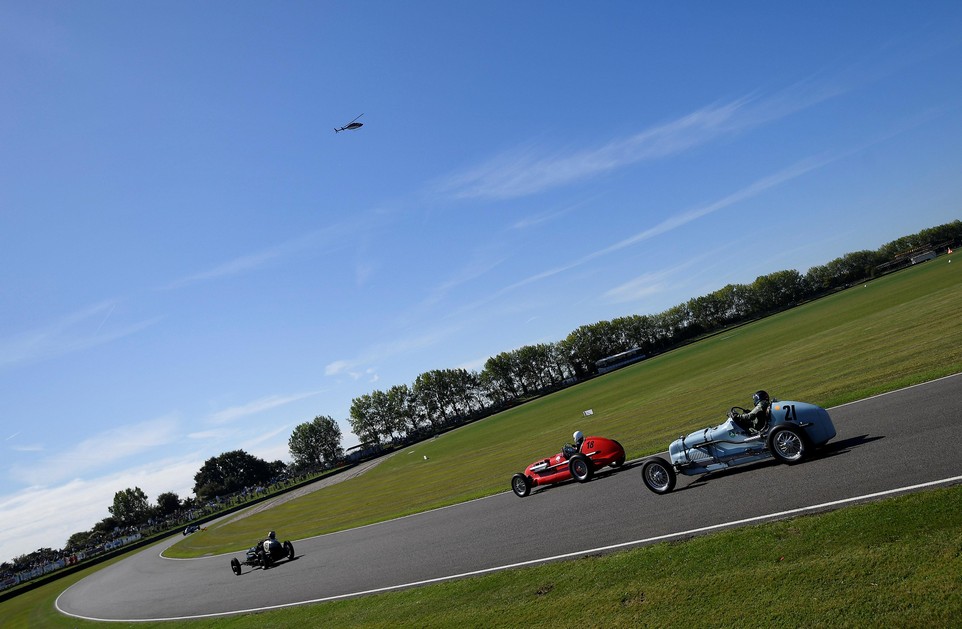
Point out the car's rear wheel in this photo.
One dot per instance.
(289, 550)
(520, 485)
(658, 475)
(266, 561)
(788, 445)
(235, 566)
(580, 467)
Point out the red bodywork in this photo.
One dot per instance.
(599, 452)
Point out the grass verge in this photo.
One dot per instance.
(898, 330)
(896, 562)
(892, 563)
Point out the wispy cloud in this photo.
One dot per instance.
(257, 406)
(326, 239)
(34, 447)
(474, 269)
(231, 267)
(203, 435)
(338, 366)
(44, 517)
(642, 286)
(530, 170)
(99, 451)
(474, 266)
(377, 353)
(481, 264)
(75, 332)
(671, 223)
(263, 438)
(475, 364)
(656, 282)
(680, 220)
(549, 216)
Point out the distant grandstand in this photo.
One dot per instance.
(617, 361)
(912, 256)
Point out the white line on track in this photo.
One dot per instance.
(639, 542)
(628, 464)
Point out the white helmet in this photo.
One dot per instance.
(578, 436)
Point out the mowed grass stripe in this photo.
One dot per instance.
(899, 330)
(892, 563)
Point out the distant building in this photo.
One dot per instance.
(922, 257)
(362, 451)
(617, 361)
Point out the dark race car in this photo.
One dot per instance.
(578, 463)
(265, 554)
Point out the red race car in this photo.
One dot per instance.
(578, 462)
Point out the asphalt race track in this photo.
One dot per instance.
(890, 443)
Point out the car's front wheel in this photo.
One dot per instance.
(658, 475)
(580, 467)
(289, 550)
(520, 485)
(235, 566)
(788, 445)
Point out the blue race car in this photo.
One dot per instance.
(794, 430)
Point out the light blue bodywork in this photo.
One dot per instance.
(728, 445)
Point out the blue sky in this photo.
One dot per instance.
(194, 262)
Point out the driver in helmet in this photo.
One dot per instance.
(755, 420)
(267, 545)
(569, 450)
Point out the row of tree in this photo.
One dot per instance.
(222, 476)
(443, 398)
(130, 509)
(220, 481)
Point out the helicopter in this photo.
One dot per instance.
(351, 126)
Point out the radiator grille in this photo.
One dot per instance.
(698, 454)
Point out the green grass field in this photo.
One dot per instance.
(902, 329)
(896, 563)
(899, 330)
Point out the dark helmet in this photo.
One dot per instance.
(271, 535)
(760, 396)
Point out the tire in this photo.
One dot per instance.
(520, 485)
(235, 566)
(581, 468)
(266, 561)
(658, 475)
(788, 445)
(289, 549)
